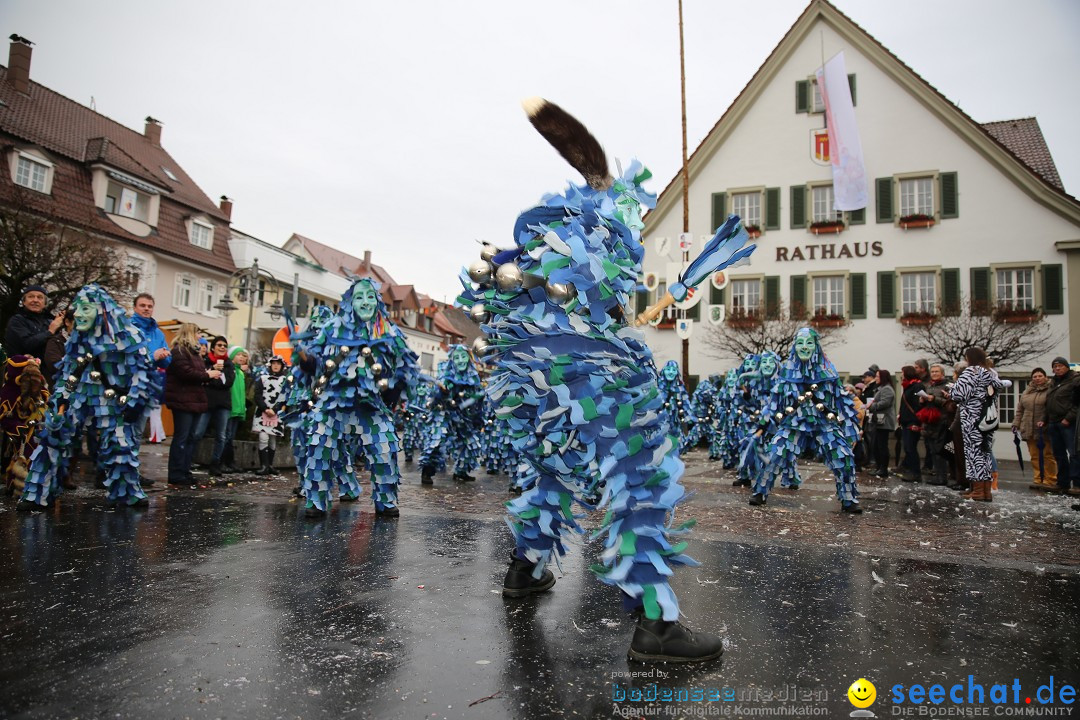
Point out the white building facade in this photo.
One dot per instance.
(953, 215)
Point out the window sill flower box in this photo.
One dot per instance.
(828, 321)
(753, 231)
(827, 227)
(910, 222)
(918, 318)
(1016, 315)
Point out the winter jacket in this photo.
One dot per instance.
(239, 388)
(883, 408)
(185, 387)
(26, 333)
(219, 392)
(909, 403)
(54, 353)
(1030, 408)
(153, 337)
(1062, 398)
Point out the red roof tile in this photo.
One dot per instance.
(1024, 139)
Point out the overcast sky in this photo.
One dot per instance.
(396, 126)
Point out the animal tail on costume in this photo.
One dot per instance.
(572, 139)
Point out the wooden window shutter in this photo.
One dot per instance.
(857, 303)
(802, 96)
(719, 210)
(716, 296)
(851, 85)
(772, 208)
(886, 294)
(798, 206)
(797, 301)
(980, 291)
(641, 301)
(950, 201)
(1053, 290)
(884, 199)
(772, 297)
(950, 291)
(857, 217)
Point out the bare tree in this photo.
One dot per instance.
(37, 250)
(752, 333)
(1010, 336)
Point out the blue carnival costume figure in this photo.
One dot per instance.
(499, 454)
(109, 379)
(704, 403)
(677, 408)
(300, 381)
(413, 416)
(579, 388)
(810, 409)
(364, 365)
(725, 442)
(457, 416)
(758, 392)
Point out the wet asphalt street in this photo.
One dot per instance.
(224, 601)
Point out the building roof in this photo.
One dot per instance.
(77, 137)
(1019, 170)
(340, 262)
(1024, 139)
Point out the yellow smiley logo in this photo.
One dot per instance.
(862, 693)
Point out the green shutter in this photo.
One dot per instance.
(694, 313)
(719, 210)
(851, 84)
(641, 301)
(797, 302)
(716, 295)
(980, 291)
(950, 201)
(857, 304)
(1053, 290)
(884, 199)
(886, 294)
(772, 208)
(950, 291)
(798, 206)
(772, 297)
(857, 217)
(802, 96)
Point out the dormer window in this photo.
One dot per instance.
(202, 234)
(33, 172)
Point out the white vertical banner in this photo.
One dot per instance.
(845, 149)
(128, 200)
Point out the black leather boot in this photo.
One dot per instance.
(519, 580)
(740, 483)
(664, 641)
(758, 499)
(463, 476)
(426, 473)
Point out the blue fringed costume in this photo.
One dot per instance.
(363, 365)
(107, 377)
(300, 380)
(677, 408)
(808, 408)
(456, 416)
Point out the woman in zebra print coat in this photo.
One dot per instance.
(970, 393)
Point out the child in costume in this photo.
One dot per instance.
(457, 416)
(809, 409)
(578, 388)
(271, 394)
(363, 365)
(677, 408)
(108, 378)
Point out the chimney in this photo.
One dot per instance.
(367, 260)
(18, 73)
(153, 131)
(226, 207)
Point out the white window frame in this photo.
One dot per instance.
(913, 297)
(208, 298)
(32, 162)
(748, 204)
(1000, 298)
(185, 290)
(742, 293)
(1009, 399)
(822, 195)
(145, 267)
(196, 226)
(824, 288)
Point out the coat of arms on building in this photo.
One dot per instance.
(819, 146)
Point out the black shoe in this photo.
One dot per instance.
(215, 470)
(145, 481)
(298, 491)
(314, 512)
(426, 473)
(388, 512)
(140, 503)
(908, 477)
(230, 469)
(740, 483)
(348, 498)
(851, 507)
(519, 580)
(514, 490)
(408, 458)
(758, 499)
(464, 477)
(937, 482)
(492, 471)
(186, 483)
(664, 641)
(25, 505)
(1075, 507)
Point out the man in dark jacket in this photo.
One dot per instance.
(30, 327)
(1062, 401)
(218, 400)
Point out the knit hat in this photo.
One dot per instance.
(873, 370)
(35, 288)
(236, 350)
(204, 341)
(1060, 361)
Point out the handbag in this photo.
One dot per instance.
(988, 418)
(928, 415)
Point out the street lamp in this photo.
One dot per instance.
(248, 283)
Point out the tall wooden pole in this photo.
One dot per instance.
(686, 187)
